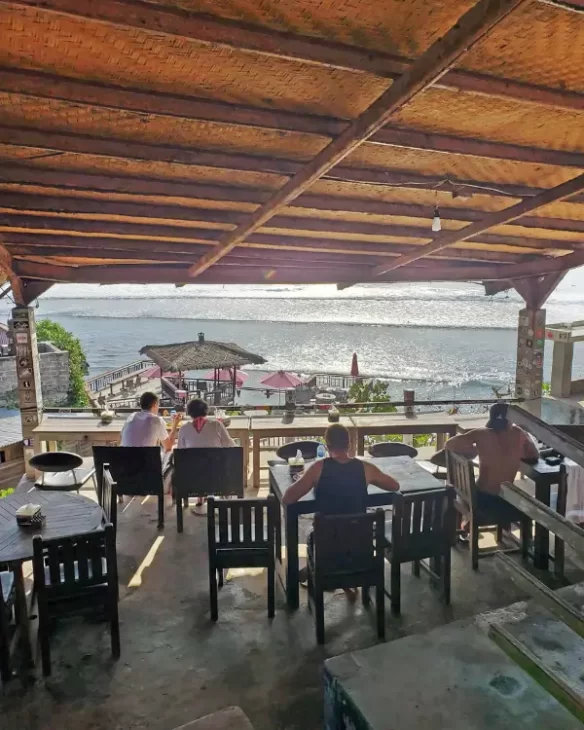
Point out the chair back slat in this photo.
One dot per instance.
(461, 477)
(247, 515)
(431, 529)
(235, 522)
(74, 563)
(208, 472)
(239, 523)
(136, 470)
(346, 543)
(108, 496)
(259, 519)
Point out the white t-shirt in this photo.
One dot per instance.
(144, 429)
(212, 435)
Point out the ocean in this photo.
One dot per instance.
(445, 340)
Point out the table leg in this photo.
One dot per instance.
(256, 461)
(292, 589)
(22, 616)
(361, 444)
(440, 441)
(541, 542)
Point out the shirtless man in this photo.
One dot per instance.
(501, 447)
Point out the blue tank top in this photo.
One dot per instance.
(342, 488)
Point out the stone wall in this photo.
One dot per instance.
(54, 365)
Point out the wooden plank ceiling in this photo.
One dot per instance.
(292, 141)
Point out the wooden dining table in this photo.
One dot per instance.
(65, 514)
(411, 476)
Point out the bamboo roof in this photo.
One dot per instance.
(289, 141)
(200, 355)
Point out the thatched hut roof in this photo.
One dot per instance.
(200, 355)
(289, 141)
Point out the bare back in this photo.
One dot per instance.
(500, 454)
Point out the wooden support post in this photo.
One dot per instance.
(26, 353)
(561, 380)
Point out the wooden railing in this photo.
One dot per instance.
(100, 382)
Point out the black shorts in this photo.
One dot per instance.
(491, 505)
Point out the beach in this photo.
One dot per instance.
(446, 341)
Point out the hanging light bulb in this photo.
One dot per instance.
(436, 224)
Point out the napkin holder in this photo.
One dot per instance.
(30, 515)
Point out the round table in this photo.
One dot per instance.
(65, 514)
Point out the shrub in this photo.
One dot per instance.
(49, 331)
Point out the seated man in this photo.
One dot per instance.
(147, 428)
(339, 482)
(501, 446)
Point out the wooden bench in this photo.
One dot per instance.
(231, 718)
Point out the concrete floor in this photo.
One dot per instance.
(177, 666)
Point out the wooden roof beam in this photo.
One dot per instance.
(26, 203)
(46, 86)
(448, 238)
(172, 230)
(225, 273)
(216, 31)
(470, 28)
(536, 290)
(21, 174)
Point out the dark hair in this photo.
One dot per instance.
(498, 417)
(337, 437)
(147, 400)
(197, 408)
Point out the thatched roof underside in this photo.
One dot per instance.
(137, 140)
(200, 355)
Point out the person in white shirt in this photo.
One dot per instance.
(201, 433)
(147, 428)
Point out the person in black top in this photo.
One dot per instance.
(339, 482)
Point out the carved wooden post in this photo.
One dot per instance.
(24, 344)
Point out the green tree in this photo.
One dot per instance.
(371, 392)
(49, 331)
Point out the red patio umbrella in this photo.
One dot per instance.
(227, 375)
(281, 380)
(355, 366)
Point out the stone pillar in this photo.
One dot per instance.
(530, 349)
(24, 344)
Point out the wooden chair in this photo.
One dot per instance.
(7, 597)
(423, 526)
(76, 575)
(461, 476)
(241, 534)
(392, 448)
(136, 470)
(108, 497)
(346, 551)
(306, 448)
(204, 473)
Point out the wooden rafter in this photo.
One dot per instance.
(560, 192)
(47, 177)
(281, 228)
(216, 31)
(96, 95)
(470, 28)
(38, 203)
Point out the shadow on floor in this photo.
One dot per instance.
(177, 666)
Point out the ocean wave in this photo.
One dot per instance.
(250, 320)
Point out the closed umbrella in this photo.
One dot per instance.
(281, 380)
(355, 366)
